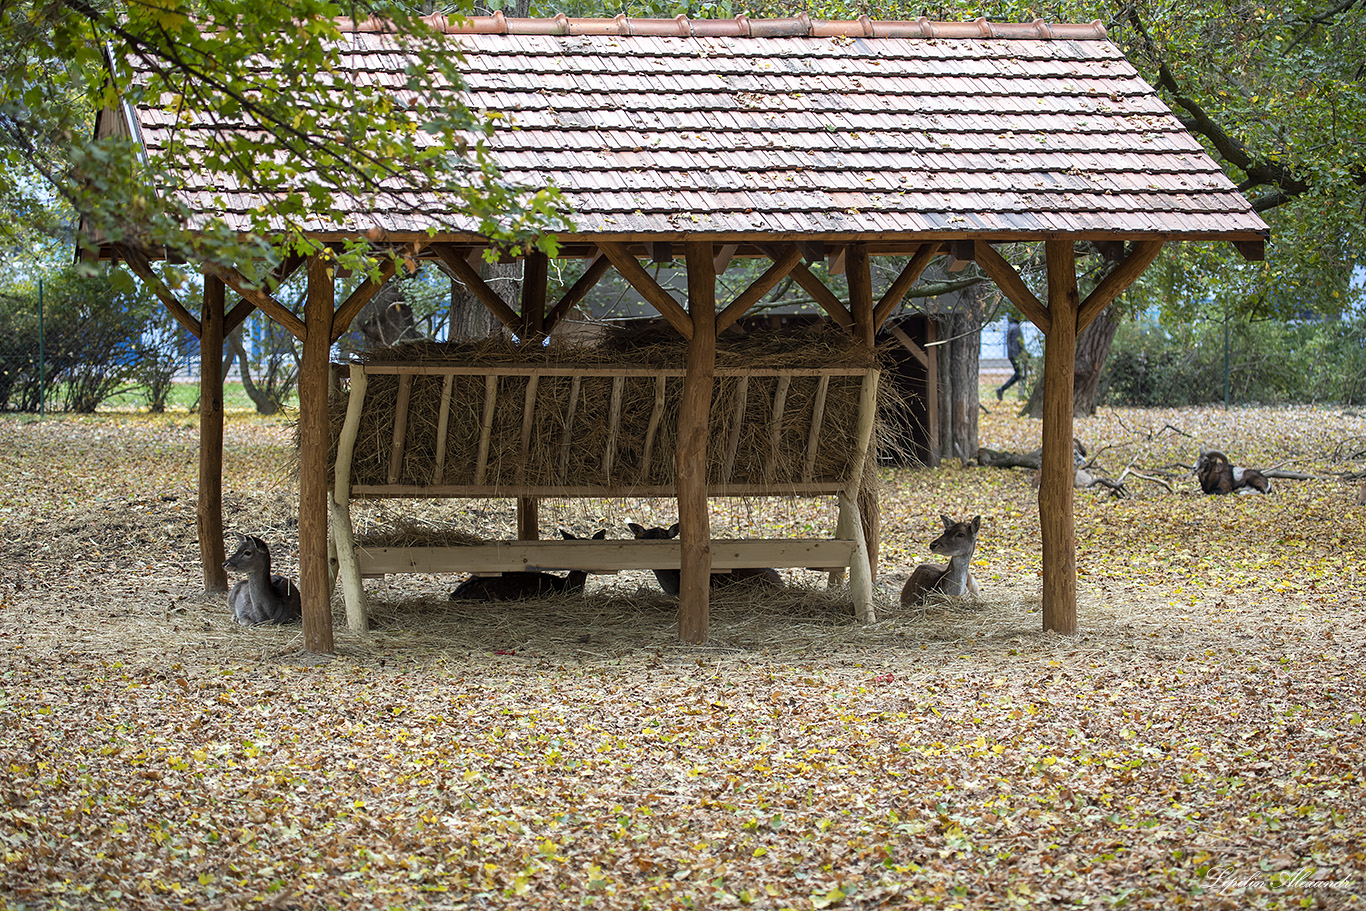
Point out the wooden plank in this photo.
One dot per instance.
(603, 556)
(470, 278)
(399, 443)
(1118, 281)
(694, 420)
(535, 277)
(609, 455)
(394, 367)
(529, 414)
(1056, 521)
(724, 255)
(209, 508)
(1012, 286)
(591, 276)
(481, 462)
(813, 438)
(657, 297)
(263, 301)
(909, 344)
(836, 260)
(775, 425)
(549, 491)
(736, 425)
(528, 518)
(443, 422)
(656, 415)
(143, 269)
(765, 283)
(314, 569)
(1253, 251)
(343, 536)
(860, 572)
(904, 282)
(860, 292)
(574, 386)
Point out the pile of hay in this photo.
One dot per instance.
(548, 462)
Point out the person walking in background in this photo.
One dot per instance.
(1014, 351)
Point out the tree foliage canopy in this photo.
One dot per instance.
(322, 137)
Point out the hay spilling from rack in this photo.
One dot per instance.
(597, 431)
(407, 532)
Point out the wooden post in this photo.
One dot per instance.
(693, 420)
(931, 395)
(343, 537)
(209, 513)
(1055, 478)
(535, 272)
(859, 269)
(313, 446)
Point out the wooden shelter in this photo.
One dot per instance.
(754, 138)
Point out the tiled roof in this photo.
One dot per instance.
(737, 128)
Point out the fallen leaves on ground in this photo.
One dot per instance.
(1199, 743)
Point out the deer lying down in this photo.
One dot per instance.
(957, 543)
(521, 585)
(670, 579)
(1218, 476)
(260, 597)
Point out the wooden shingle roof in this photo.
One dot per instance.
(791, 128)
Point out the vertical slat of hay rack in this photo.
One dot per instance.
(400, 471)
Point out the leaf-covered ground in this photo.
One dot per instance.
(1199, 743)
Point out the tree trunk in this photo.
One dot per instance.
(959, 363)
(1093, 349)
(469, 317)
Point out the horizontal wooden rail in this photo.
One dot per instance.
(569, 370)
(603, 556)
(605, 491)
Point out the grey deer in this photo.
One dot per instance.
(957, 543)
(517, 586)
(670, 579)
(261, 597)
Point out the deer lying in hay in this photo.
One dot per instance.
(958, 542)
(521, 585)
(670, 579)
(1218, 476)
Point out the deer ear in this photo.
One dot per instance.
(636, 530)
(600, 535)
(976, 524)
(673, 530)
(948, 523)
(567, 536)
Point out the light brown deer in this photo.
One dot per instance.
(521, 585)
(957, 543)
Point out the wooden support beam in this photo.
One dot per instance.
(1253, 251)
(960, 254)
(815, 287)
(775, 426)
(909, 344)
(1012, 286)
(209, 510)
(737, 422)
(280, 274)
(467, 276)
(836, 260)
(575, 384)
(813, 437)
(931, 394)
(609, 455)
(789, 257)
(694, 418)
(528, 508)
(661, 252)
(137, 261)
(724, 256)
(1056, 521)
(595, 271)
(443, 423)
(649, 289)
(1118, 281)
(399, 443)
(481, 460)
(860, 292)
(314, 572)
(362, 295)
(904, 282)
(1110, 250)
(262, 301)
(535, 277)
(339, 509)
(656, 415)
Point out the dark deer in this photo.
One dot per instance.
(1219, 476)
(957, 543)
(519, 586)
(669, 579)
(260, 597)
